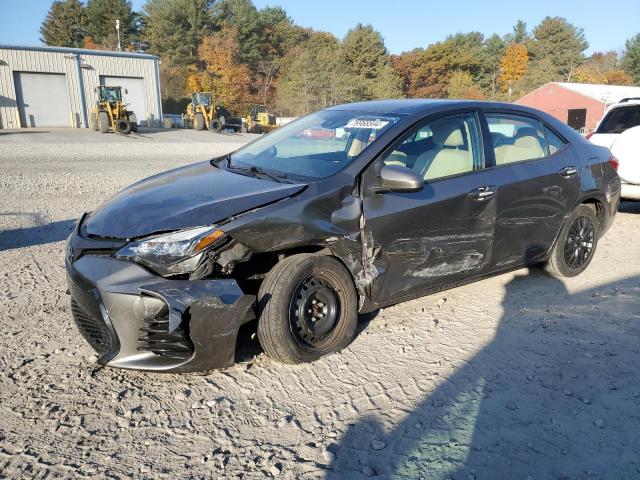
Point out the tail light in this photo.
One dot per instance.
(613, 161)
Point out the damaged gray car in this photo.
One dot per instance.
(341, 212)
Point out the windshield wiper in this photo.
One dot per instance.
(257, 171)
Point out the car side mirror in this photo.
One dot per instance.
(400, 179)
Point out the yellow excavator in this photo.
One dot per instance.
(203, 114)
(260, 120)
(110, 113)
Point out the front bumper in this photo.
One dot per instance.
(135, 319)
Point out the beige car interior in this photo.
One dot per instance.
(526, 146)
(450, 155)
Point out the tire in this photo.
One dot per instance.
(294, 286)
(198, 122)
(576, 244)
(103, 122)
(215, 126)
(133, 120)
(123, 126)
(256, 128)
(222, 122)
(94, 121)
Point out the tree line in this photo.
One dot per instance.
(248, 55)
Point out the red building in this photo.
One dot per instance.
(580, 105)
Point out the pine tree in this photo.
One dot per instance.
(102, 16)
(173, 30)
(365, 56)
(560, 42)
(631, 58)
(65, 24)
(520, 34)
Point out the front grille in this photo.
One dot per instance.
(155, 337)
(94, 330)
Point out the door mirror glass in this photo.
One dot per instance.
(400, 179)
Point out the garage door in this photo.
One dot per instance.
(43, 100)
(135, 96)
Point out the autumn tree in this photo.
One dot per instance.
(631, 58)
(461, 85)
(65, 24)
(602, 68)
(101, 22)
(425, 72)
(513, 66)
(222, 72)
(560, 42)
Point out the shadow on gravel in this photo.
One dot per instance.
(38, 235)
(556, 394)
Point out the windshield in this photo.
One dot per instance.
(315, 146)
(620, 119)
(111, 94)
(201, 99)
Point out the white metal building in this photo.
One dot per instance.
(54, 86)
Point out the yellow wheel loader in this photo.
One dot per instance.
(260, 120)
(110, 113)
(203, 114)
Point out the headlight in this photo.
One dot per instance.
(174, 253)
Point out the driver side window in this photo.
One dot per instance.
(441, 148)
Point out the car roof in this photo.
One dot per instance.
(422, 106)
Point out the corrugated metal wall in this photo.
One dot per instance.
(92, 66)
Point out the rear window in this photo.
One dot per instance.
(620, 119)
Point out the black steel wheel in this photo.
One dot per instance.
(308, 308)
(314, 312)
(576, 243)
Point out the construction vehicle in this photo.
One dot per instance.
(260, 120)
(204, 114)
(110, 113)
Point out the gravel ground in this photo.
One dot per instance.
(519, 376)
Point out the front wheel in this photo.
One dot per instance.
(308, 308)
(575, 245)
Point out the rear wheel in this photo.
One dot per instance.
(198, 122)
(123, 126)
(221, 123)
(103, 122)
(133, 120)
(575, 245)
(308, 308)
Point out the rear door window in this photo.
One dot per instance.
(554, 142)
(620, 119)
(516, 138)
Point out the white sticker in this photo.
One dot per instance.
(376, 124)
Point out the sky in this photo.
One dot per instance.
(405, 24)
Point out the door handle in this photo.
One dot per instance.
(482, 193)
(567, 172)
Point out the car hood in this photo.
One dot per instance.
(191, 196)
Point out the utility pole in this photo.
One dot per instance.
(119, 49)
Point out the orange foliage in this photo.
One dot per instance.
(87, 42)
(618, 77)
(513, 65)
(223, 74)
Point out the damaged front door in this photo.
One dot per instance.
(441, 234)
